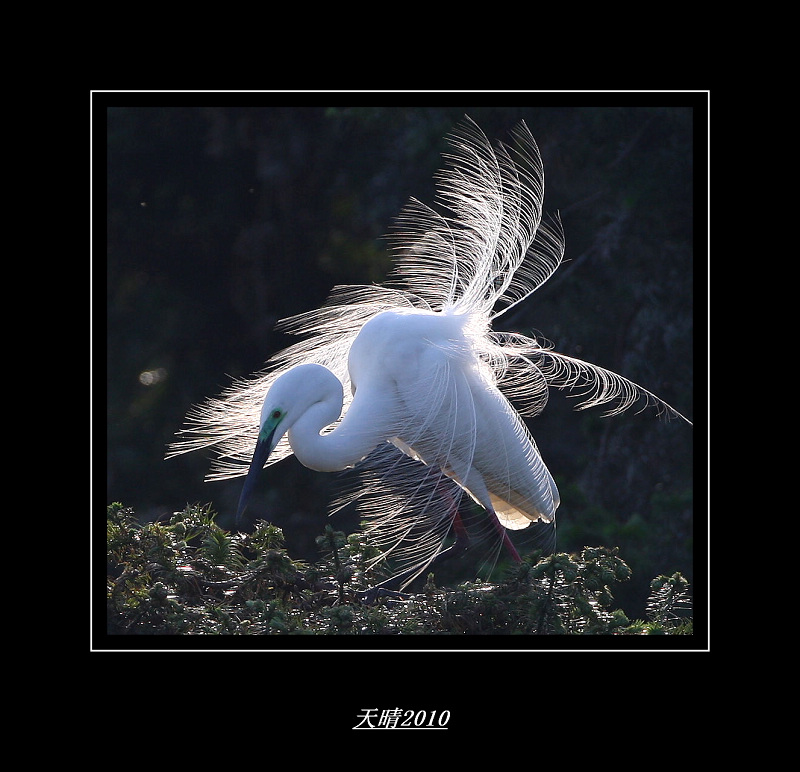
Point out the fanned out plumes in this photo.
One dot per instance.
(483, 251)
(474, 259)
(526, 367)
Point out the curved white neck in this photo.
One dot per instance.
(361, 430)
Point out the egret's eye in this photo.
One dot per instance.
(276, 414)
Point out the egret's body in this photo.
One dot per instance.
(418, 384)
(409, 384)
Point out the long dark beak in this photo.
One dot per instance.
(260, 455)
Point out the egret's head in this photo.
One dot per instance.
(289, 397)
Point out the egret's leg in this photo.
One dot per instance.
(503, 533)
(386, 587)
(461, 544)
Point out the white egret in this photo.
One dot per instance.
(408, 382)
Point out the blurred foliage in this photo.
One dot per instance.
(188, 576)
(223, 219)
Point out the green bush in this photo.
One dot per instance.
(188, 576)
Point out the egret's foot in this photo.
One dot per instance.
(374, 594)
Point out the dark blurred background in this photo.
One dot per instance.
(222, 220)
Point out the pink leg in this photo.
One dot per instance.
(462, 539)
(498, 526)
